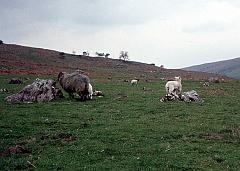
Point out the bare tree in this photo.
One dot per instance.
(162, 67)
(85, 53)
(124, 55)
(107, 54)
(100, 54)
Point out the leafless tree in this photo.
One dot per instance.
(100, 54)
(124, 55)
(161, 66)
(106, 55)
(85, 53)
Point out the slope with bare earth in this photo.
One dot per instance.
(16, 59)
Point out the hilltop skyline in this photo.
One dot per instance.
(166, 33)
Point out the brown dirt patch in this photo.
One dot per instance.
(213, 136)
(15, 59)
(15, 150)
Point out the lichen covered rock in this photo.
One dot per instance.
(189, 96)
(39, 91)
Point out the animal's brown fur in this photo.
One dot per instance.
(74, 83)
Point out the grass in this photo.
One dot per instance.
(127, 129)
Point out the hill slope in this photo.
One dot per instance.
(16, 59)
(230, 68)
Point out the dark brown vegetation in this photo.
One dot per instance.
(15, 81)
(16, 59)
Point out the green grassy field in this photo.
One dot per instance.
(127, 129)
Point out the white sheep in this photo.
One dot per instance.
(135, 81)
(174, 87)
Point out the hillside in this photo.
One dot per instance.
(16, 59)
(128, 128)
(230, 68)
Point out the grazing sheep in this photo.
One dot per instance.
(135, 81)
(174, 87)
(75, 83)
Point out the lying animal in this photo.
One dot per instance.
(75, 83)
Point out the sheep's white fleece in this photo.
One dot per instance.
(174, 87)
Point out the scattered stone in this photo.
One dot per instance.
(169, 97)
(191, 96)
(97, 93)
